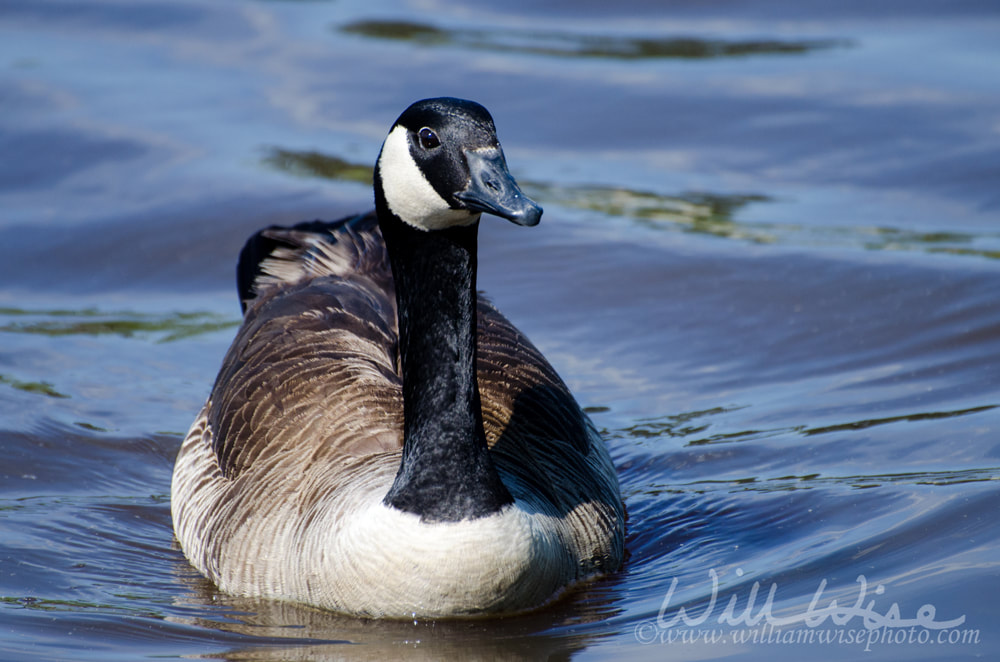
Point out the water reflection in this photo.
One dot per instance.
(564, 44)
(275, 630)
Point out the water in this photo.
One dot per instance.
(768, 267)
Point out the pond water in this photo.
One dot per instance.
(768, 267)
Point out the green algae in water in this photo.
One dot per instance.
(91, 322)
(565, 44)
(41, 388)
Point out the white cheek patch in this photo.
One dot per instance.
(407, 191)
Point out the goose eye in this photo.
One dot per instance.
(428, 139)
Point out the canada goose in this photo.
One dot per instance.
(380, 440)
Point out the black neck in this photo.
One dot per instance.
(446, 472)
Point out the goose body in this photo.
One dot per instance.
(380, 440)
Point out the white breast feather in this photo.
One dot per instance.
(362, 557)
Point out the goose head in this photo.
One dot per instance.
(441, 166)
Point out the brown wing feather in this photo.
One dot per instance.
(313, 368)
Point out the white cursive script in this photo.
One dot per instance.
(813, 616)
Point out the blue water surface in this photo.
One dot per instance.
(769, 268)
